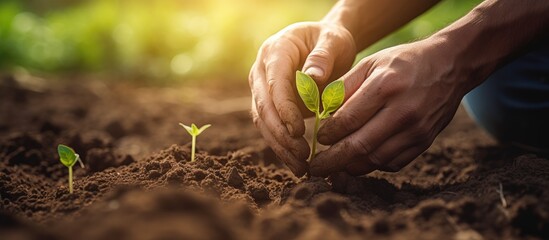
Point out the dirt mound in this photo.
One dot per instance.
(140, 184)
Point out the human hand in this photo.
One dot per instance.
(322, 50)
(397, 101)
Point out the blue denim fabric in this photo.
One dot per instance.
(513, 103)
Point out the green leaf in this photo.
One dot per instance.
(189, 129)
(203, 128)
(308, 91)
(67, 156)
(332, 97)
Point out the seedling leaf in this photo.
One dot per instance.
(332, 97)
(194, 131)
(203, 128)
(308, 91)
(189, 129)
(67, 156)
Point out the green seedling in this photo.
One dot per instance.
(332, 98)
(194, 131)
(68, 157)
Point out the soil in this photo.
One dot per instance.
(139, 182)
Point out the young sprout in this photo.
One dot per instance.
(68, 157)
(194, 131)
(332, 98)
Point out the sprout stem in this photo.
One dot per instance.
(70, 180)
(193, 147)
(315, 133)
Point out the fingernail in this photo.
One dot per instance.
(290, 128)
(315, 72)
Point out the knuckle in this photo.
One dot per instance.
(393, 84)
(349, 121)
(260, 108)
(374, 159)
(422, 135)
(361, 147)
(254, 116)
(407, 116)
(251, 80)
(320, 54)
(402, 60)
(267, 44)
(283, 44)
(364, 61)
(256, 120)
(271, 83)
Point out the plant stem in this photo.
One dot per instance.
(315, 133)
(70, 180)
(193, 147)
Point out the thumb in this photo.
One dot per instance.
(320, 62)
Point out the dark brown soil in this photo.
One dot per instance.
(139, 182)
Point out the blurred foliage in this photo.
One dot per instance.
(166, 39)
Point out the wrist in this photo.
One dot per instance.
(439, 60)
(343, 15)
(447, 54)
(483, 40)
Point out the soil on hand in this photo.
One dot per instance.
(139, 182)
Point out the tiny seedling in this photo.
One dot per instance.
(194, 131)
(332, 98)
(68, 157)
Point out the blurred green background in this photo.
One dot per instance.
(166, 40)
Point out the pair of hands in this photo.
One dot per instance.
(396, 102)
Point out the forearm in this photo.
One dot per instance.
(489, 36)
(370, 20)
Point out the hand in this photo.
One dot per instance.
(324, 51)
(397, 101)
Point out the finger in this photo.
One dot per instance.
(403, 159)
(359, 168)
(361, 106)
(297, 165)
(270, 119)
(386, 156)
(320, 61)
(381, 156)
(360, 143)
(280, 66)
(330, 52)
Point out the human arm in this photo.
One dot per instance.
(370, 20)
(325, 50)
(399, 99)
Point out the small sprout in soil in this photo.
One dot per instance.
(332, 98)
(68, 157)
(194, 131)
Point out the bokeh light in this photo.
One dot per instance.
(175, 40)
